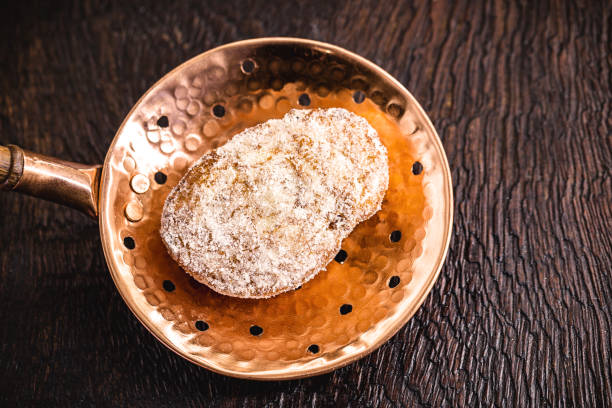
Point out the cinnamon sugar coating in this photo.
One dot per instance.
(268, 210)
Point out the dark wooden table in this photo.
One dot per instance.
(521, 96)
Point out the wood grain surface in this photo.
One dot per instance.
(520, 93)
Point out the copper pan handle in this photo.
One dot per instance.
(71, 184)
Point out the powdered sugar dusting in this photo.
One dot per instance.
(268, 210)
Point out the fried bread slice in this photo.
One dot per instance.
(268, 210)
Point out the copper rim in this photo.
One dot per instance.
(143, 146)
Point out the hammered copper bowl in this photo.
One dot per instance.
(387, 265)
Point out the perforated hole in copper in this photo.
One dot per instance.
(163, 122)
(304, 99)
(169, 286)
(346, 309)
(219, 111)
(160, 178)
(417, 168)
(341, 256)
(201, 325)
(248, 66)
(395, 236)
(129, 243)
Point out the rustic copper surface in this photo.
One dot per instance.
(72, 184)
(346, 311)
(420, 206)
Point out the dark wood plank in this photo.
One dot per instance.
(521, 95)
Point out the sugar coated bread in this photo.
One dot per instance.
(268, 210)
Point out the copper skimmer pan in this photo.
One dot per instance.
(385, 270)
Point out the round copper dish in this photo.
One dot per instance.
(388, 264)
